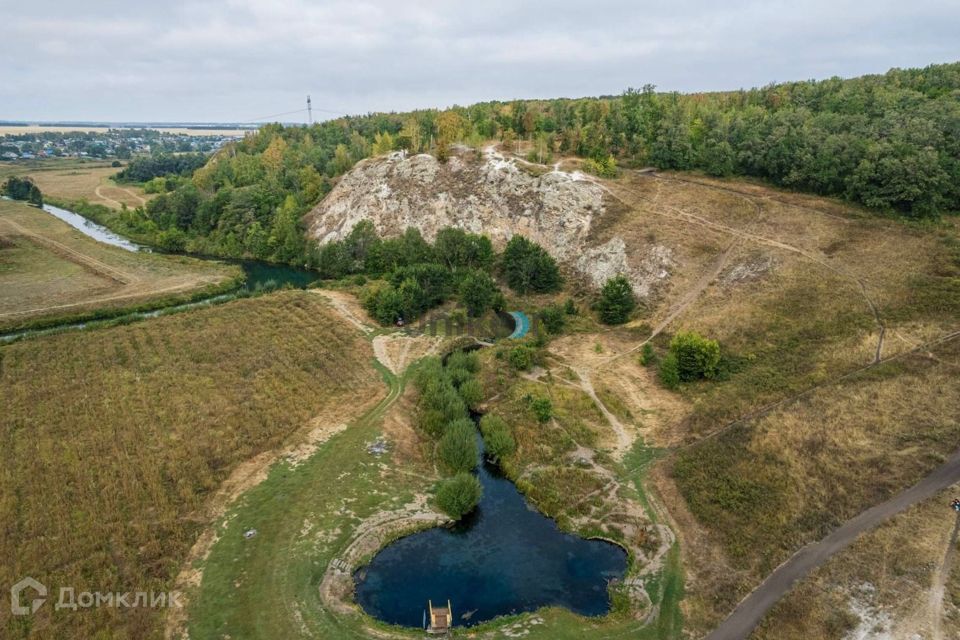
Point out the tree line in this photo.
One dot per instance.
(413, 275)
(17, 188)
(890, 142)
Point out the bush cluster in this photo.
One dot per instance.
(691, 357)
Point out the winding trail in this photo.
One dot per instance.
(940, 584)
(682, 215)
(754, 607)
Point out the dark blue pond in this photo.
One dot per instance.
(503, 558)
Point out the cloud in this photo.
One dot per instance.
(235, 60)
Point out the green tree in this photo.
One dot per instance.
(478, 292)
(472, 392)
(697, 357)
(497, 438)
(459, 495)
(521, 357)
(527, 267)
(616, 301)
(457, 447)
(542, 409)
(458, 249)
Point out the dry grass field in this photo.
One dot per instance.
(800, 292)
(895, 582)
(51, 271)
(115, 440)
(70, 179)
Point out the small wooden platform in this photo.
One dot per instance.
(441, 619)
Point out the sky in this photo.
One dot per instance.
(249, 60)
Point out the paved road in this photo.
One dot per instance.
(752, 609)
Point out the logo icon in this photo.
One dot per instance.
(18, 609)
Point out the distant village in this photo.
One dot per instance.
(120, 144)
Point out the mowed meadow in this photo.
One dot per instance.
(114, 440)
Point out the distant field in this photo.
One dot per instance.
(48, 270)
(72, 179)
(7, 129)
(115, 442)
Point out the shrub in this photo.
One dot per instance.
(553, 318)
(459, 495)
(697, 357)
(542, 408)
(458, 375)
(570, 308)
(472, 393)
(497, 438)
(464, 360)
(616, 301)
(458, 445)
(647, 356)
(603, 167)
(521, 358)
(669, 374)
(440, 403)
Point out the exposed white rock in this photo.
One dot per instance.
(605, 261)
(492, 195)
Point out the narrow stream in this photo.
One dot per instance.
(257, 275)
(96, 231)
(504, 558)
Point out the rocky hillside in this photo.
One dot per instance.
(490, 194)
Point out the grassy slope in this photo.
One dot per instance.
(267, 587)
(113, 440)
(50, 272)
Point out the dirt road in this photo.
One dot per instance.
(752, 609)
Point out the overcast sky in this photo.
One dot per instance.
(241, 60)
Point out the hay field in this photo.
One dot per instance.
(114, 441)
(70, 179)
(50, 271)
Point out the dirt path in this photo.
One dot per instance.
(119, 205)
(940, 583)
(754, 607)
(681, 215)
(691, 296)
(348, 307)
(624, 441)
(105, 198)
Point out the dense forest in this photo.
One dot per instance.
(890, 142)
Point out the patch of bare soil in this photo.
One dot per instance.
(658, 412)
(397, 351)
(349, 307)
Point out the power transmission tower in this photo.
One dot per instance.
(309, 112)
